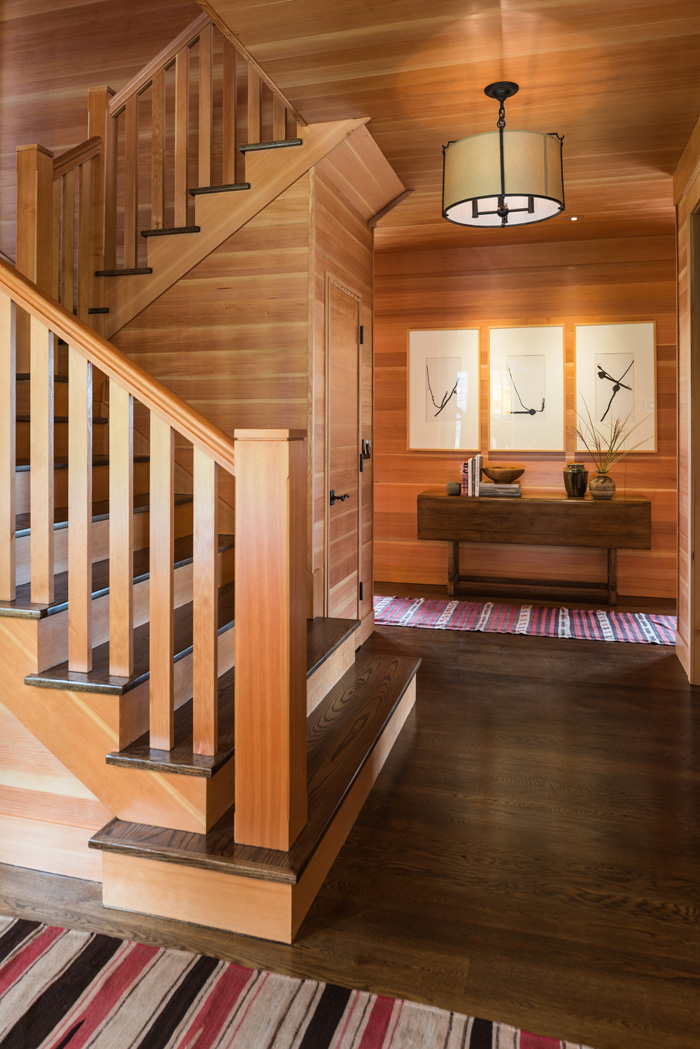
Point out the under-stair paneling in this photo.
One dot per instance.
(541, 283)
(342, 252)
(687, 196)
(75, 44)
(46, 814)
(231, 336)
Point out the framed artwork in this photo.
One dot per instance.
(616, 379)
(526, 379)
(443, 389)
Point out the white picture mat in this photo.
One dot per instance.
(525, 366)
(612, 347)
(443, 366)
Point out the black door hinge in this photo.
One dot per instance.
(362, 335)
(361, 589)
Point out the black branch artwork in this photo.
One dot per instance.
(523, 410)
(618, 385)
(440, 405)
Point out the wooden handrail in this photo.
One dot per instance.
(116, 365)
(163, 59)
(76, 156)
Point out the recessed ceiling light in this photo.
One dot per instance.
(573, 218)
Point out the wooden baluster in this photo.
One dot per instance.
(230, 113)
(279, 119)
(161, 587)
(85, 268)
(205, 606)
(254, 105)
(41, 458)
(157, 149)
(181, 132)
(7, 447)
(270, 720)
(121, 537)
(68, 241)
(102, 225)
(79, 512)
(206, 39)
(34, 227)
(57, 193)
(131, 183)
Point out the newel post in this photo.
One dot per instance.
(34, 231)
(270, 675)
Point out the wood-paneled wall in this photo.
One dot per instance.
(687, 198)
(542, 283)
(46, 814)
(342, 251)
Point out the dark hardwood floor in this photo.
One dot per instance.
(530, 853)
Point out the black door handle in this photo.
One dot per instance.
(338, 498)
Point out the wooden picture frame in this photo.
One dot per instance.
(443, 389)
(616, 379)
(526, 388)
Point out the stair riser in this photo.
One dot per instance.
(329, 673)
(100, 541)
(100, 608)
(60, 397)
(133, 706)
(100, 485)
(100, 439)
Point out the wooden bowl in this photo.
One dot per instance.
(504, 474)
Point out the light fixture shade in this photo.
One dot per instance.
(528, 180)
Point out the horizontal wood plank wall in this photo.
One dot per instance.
(343, 250)
(231, 337)
(687, 198)
(542, 283)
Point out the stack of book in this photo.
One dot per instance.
(507, 491)
(473, 485)
(471, 475)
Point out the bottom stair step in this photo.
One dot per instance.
(212, 880)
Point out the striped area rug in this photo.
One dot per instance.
(75, 990)
(491, 618)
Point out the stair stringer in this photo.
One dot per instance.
(80, 728)
(218, 216)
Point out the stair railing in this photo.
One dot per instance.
(270, 674)
(177, 126)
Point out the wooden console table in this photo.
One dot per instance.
(552, 520)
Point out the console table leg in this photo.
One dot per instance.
(612, 576)
(452, 567)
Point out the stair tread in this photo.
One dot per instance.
(281, 143)
(181, 758)
(341, 732)
(26, 376)
(230, 187)
(62, 463)
(323, 637)
(100, 579)
(132, 272)
(100, 680)
(171, 231)
(100, 512)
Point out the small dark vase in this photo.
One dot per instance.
(602, 486)
(575, 480)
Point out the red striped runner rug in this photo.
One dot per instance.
(76, 990)
(491, 618)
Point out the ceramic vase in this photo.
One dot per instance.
(575, 480)
(602, 486)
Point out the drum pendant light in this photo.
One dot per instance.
(503, 178)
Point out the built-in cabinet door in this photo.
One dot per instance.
(343, 452)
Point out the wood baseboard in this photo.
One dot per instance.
(49, 847)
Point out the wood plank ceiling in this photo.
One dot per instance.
(620, 79)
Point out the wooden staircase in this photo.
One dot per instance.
(164, 660)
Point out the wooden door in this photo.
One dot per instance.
(343, 452)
